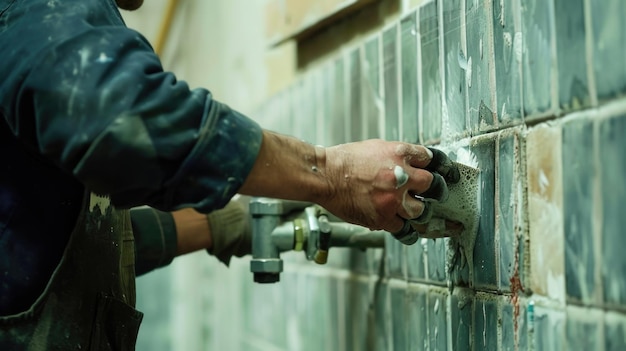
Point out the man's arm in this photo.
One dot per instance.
(193, 231)
(126, 128)
(372, 183)
(224, 233)
(161, 236)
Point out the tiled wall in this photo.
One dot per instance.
(534, 89)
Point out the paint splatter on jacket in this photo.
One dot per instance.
(85, 104)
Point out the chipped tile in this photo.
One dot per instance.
(545, 211)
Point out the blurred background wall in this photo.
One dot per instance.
(532, 88)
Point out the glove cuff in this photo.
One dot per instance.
(230, 232)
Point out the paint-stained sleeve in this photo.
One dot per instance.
(100, 106)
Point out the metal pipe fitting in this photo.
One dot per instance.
(279, 225)
(267, 215)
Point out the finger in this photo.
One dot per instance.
(411, 207)
(394, 225)
(415, 155)
(438, 228)
(442, 164)
(419, 181)
(426, 215)
(407, 234)
(438, 189)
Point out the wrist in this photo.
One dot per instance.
(231, 232)
(290, 169)
(192, 230)
(323, 188)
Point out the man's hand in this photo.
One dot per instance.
(374, 183)
(379, 184)
(224, 233)
(231, 231)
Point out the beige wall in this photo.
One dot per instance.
(222, 45)
(218, 45)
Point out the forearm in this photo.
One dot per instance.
(288, 168)
(192, 231)
(161, 236)
(372, 183)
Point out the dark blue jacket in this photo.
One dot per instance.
(86, 105)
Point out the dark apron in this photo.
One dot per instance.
(89, 301)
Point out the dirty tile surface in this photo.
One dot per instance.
(530, 91)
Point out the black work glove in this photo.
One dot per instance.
(444, 171)
(231, 232)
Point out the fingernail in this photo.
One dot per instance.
(429, 152)
(419, 198)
